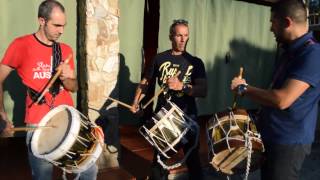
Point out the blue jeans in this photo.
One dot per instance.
(42, 169)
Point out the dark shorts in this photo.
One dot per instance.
(284, 162)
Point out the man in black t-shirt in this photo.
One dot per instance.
(182, 87)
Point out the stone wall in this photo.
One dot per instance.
(99, 67)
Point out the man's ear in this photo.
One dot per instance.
(41, 21)
(287, 22)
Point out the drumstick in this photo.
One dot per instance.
(119, 102)
(240, 73)
(52, 80)
(158, 93)
(151, 100)
(31, 128)
(235, 95)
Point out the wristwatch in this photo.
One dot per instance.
(242, 88)
(186, 89)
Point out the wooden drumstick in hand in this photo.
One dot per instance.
(235, 95)
(52, 80)
(31, 128)
(158, 93)
(119, 102)
(240, 73)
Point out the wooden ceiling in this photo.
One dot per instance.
(262, 2)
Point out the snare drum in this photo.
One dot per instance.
(73, 143)
(234, 143)
(168, 131)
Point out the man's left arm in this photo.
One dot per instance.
(198, 89)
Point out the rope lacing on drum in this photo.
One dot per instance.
(97, 131)
(81, 139)
(151, 136)
(210, 144)
(232, 120)
(186, 154)
(249, 148)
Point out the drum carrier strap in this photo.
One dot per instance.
(55, 88)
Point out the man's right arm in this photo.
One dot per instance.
(4, 72)
(139, 95)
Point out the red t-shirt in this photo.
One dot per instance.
(33, 62)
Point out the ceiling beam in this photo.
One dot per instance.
(261, 2)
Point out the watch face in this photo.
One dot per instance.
(242, 89)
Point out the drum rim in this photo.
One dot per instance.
(70, 136)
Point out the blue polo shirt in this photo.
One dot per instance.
(297, 123)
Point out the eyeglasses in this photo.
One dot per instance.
(180, 21)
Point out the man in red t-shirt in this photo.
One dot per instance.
(36, 58)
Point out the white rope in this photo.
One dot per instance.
(186, 155)
(77, 177)
(64, 174)
(249, 147)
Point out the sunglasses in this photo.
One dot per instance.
(180, 21)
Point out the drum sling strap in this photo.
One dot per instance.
(55, 88)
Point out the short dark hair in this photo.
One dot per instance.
(172, 30)
(45, 8)
(295, 9)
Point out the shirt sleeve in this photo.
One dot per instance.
(13, 54)
(199, 70)
(307, 68)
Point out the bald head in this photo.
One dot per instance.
(46, 8)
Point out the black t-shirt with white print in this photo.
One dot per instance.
(166, 65)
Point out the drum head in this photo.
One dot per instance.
(51, 138)
(52, 143)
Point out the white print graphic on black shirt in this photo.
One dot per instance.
(168, 70)
(187, 76)
(42, 71)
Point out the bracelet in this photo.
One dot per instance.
(242, 88)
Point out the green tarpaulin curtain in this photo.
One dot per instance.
(225, 34)
(131, 39)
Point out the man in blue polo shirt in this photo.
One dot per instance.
(290, 105)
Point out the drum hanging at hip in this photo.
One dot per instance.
(74, 142)
(232, 138)
(168, 131)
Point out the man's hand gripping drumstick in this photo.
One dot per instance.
(172, 84)
(236, 84)
(142, 87)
